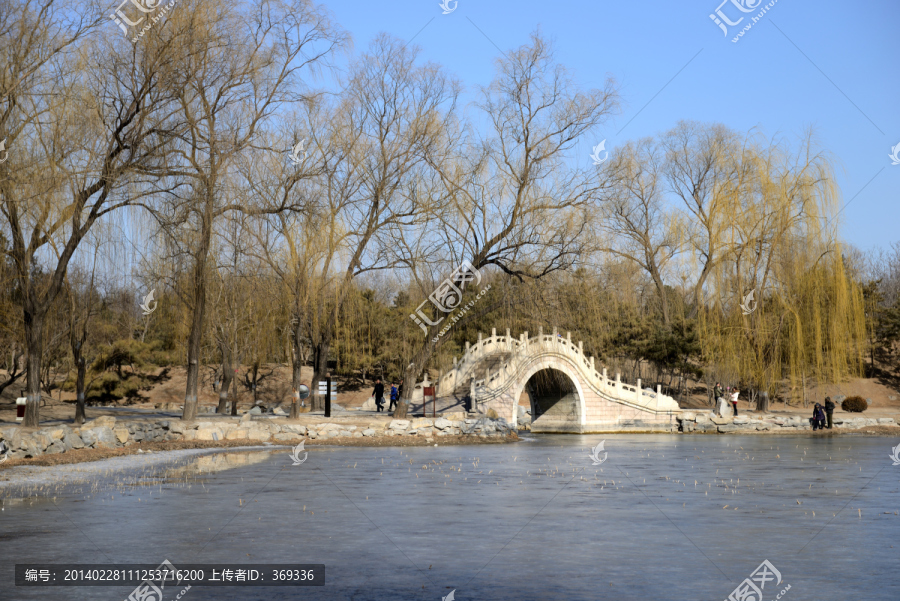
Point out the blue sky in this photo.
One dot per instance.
(829, 65)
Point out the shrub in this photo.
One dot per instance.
(854, 404)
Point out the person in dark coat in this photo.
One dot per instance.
(378, 393)
(818, 418)
(829, 411)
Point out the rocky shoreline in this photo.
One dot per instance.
(707, 422)
(111, 433)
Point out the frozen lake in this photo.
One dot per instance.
(664, 517)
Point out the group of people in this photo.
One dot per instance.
(729, 393)
(378, 393)
(821, 414)
(822, 417)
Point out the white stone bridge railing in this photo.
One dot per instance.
(524, 351)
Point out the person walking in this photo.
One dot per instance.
(395, 395)
(734, 398)
(378, 393)
(829, 411)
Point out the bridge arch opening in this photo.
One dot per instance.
(554, 398)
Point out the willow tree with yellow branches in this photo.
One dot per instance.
(784, 315)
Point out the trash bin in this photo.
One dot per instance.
(20, 408)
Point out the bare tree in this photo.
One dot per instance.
(76, 137)
(634, 221)
(241, 63)
(513, 201)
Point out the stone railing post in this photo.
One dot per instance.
(541, 333)
(637, 391)
(618, 385)
(581, 350)
(605, 379)
(658, 395)
(493, 332)
(525, 338)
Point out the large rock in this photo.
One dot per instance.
(421, 423)
(56, 447)
(399, 424)
(368, 432)
(720, 421)
(42, 439)
(209, 434)
(255, 411)
(724, 429)
(258, 434)
(885, 420)
(295, 428)
(73, 441)
(98, 437)
(237, 434)
(442, 423)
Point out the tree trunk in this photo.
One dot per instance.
(296, 371)
(34, 326)
(227, 376)
(762, 401)
(411, 375)
(79, 389)
(320, 372)
(196, 335)
(234, 403)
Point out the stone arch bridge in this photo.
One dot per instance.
(566, 391)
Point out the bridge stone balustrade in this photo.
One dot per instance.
(602, 404)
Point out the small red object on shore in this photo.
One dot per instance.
(20, 408)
